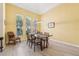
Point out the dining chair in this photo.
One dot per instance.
(47, 34)
(36, 42)
(27, 37)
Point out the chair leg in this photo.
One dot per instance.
(27, 41)
(41, 45)
(14, 42)
(34, 47)
(19, 40)
(31, 44)
(46, 42)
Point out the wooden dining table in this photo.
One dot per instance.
(43, 38)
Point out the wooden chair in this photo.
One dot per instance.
(35, 42)
(38, 32)
(11, 37)
(28, 38)
(47, 34)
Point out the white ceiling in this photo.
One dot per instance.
(38, 8)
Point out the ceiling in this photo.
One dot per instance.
(38, 8)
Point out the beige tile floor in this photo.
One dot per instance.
(22, 49)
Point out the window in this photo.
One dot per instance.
(19, 25)
(28, 24)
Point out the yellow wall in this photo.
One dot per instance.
(2, 24)
(66, 18)
(10, 18)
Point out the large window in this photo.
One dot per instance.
(28, 24)
(19, 25)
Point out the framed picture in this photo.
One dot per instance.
(51, 25)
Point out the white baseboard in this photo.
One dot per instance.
(66, 43)
(64, 46)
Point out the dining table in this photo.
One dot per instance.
(43, 38)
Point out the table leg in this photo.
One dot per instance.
(41, 45)
(46, 42)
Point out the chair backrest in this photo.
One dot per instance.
(39, 32)
(28, 36)
(33, 37)
(10, 34)
(45, 33)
